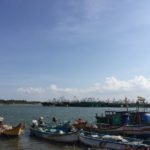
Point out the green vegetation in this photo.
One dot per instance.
(12, 101)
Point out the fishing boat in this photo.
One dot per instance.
(9, 130)
(142, 131)
(14, 131)
(134, 122)
(58, 133)
(111, 142)
(64, 126)
(79, 123)
(127, 130)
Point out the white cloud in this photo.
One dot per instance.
(55, 88)
(111, 88)
(112, 84)
(140, 82)
(31, 91)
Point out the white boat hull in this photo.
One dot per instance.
(89, 141)
(107, 144)
(66, 138)
(101, 144)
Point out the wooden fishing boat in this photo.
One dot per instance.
(111, 142)
(64, 126)
(12, 131)
(79, 123)
(82, 124)
(126, 117)
(134, 122)
(55, 135)
(59, 133)
(142, 131)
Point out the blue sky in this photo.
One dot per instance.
(88, 48)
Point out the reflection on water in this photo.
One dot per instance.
(27, 142)
(10, 143)
(15, 114)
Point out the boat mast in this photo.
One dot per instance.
(126, 102)
(140, 100)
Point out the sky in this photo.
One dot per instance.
(67, 48)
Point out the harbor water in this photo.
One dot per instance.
(14, 114)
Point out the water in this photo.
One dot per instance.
(14, 114)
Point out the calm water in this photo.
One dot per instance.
(14, 114)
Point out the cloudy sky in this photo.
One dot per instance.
(88, 48)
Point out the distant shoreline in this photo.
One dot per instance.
(119, 104)
(20, 104)
(12, 101)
